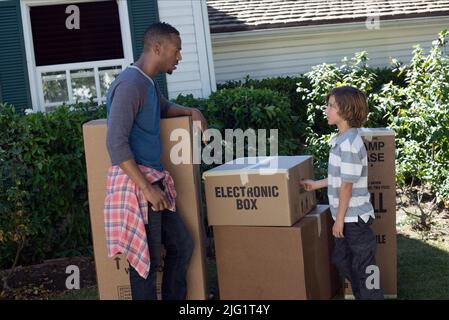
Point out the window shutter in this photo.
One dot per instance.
(14, 83)
(142, 13)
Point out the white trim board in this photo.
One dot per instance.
(204, 47)
(275, 33)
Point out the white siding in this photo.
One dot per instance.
(195, 74)
(292, 51)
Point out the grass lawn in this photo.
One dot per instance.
(82, 294)
(423, 268)
(423, 257)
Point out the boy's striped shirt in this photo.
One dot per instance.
(348, 162)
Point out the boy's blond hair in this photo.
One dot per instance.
(352, 105)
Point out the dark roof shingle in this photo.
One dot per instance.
(242, 15)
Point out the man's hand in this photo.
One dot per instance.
(157, 198)
(198, 118)
(153, 194)
(337, 229)
(176, 110)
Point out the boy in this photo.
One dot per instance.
(349, 199)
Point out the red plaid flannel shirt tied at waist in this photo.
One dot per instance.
(126, 213)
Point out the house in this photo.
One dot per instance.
(271, 38)
(55, 51)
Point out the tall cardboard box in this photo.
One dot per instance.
(271, 263)
(259, 191)
(113, 273)
(380, 145)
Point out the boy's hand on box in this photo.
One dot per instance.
(337, 229)
(308, 184)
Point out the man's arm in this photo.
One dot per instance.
(176, 110)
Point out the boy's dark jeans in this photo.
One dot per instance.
(167, 228)
(353, 254)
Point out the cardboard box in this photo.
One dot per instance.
(271, 263)
(262, 191)
(113, 273)
(380, 145)
(327, 277)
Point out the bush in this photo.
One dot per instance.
(248, 108)
(287, 86)
(413, 100)
(44, 174)
(419, 113)
(15, 226)
(307, 93)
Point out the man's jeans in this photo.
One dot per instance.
(164, 227)
(353, 254)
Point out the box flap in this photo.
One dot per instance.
(256, 165)
(366, 132)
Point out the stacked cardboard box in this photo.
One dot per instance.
(261, 191)
(270, 241)
(380, 145)
(112, 273)
(285, 263)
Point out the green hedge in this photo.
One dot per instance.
(248, 108)
(43, 191)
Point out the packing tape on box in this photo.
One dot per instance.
(273, 168)
(244, 175)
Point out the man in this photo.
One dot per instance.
(140, 210)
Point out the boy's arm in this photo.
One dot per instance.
(344, 198)
(310, 185)
(321, 183)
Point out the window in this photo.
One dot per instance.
(79, 82)
(76, 65)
